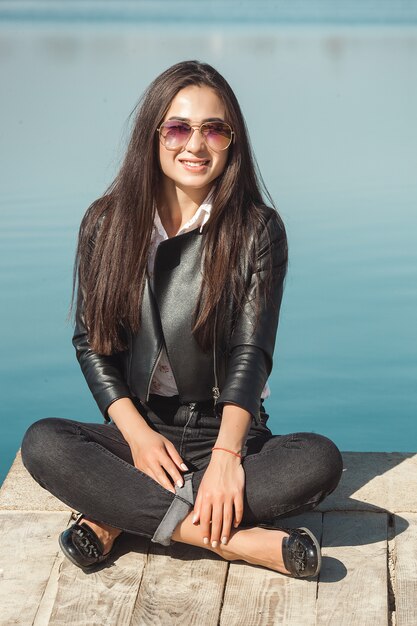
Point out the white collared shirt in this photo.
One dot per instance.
(163, 382)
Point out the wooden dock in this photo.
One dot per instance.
(367, 528)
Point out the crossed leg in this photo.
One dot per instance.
(306, 468)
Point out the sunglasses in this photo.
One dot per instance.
(175, 134)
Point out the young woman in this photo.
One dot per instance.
(180, 270)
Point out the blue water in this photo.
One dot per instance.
(331, 112)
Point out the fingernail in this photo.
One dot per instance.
(184, 467)
(214, 544)
(224, 540)
(205, 540)
(194, 519)
(179, 483)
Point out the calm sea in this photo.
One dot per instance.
(332, 116)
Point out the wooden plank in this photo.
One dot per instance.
(406, 569)
(353, 583)
(106, 596)
(29, 545)
(257, 596)
(181, 585)
(375, 481)
(44, 611)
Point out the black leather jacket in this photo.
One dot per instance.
(243, 354)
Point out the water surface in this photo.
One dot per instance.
(331, 113)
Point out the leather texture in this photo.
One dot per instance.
(301, 552)
(243, 352)
(81, 546)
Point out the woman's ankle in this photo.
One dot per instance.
(256, 546)
(107, 534)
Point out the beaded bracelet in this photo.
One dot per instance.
(231, 451)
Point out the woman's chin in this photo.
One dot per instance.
(192, 182)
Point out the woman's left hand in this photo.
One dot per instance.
(220, 497)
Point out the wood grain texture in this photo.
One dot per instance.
(106, 596)
(181, 585)
(353, 583)
(29, 546)
(257, 596)
(406, 569)
(185, 584)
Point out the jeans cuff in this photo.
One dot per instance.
(179, 508)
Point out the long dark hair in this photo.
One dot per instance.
(111, 259)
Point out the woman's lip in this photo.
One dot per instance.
(196, 160)
(194, 168)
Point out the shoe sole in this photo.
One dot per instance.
(318, 549)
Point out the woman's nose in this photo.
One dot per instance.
(196, 140)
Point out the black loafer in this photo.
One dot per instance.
(81, 545)
(301, 551)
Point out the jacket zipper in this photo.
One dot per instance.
(152, 286)
(215, 390)
(152, 372)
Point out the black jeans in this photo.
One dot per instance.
(89, 467)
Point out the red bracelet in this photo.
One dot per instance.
(231, 451)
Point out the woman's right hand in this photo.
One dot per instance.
(157, 456)
(152, 453)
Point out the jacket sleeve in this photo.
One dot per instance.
(252, 346)
(103, 373)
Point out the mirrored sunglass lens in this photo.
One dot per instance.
(217, 135)
(175, 133)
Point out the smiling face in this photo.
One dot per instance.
(194, 166)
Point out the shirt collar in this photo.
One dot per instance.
(199, 218)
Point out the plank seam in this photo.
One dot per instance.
(140, 582)
(47, 582)
(44, 589)
(318, 577)
(391, 558)
(223, 593)
(46, 586)
(321, 545)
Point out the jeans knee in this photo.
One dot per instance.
(39, 441)
(330, 462)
